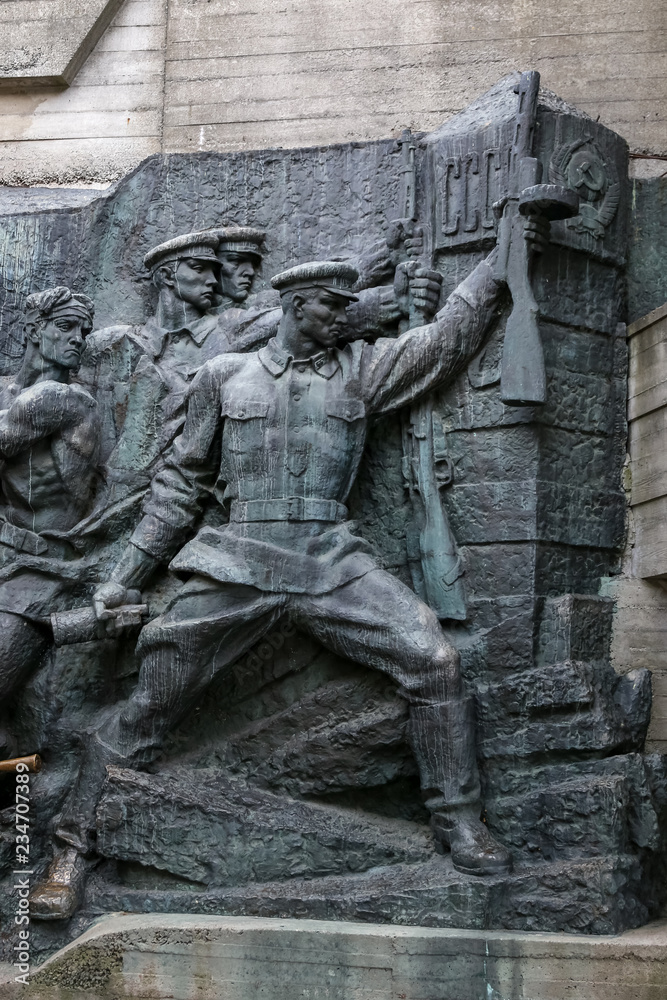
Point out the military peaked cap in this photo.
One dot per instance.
(335, 276)
(201, 246)
(240, 239)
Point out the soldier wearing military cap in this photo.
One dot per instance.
(277, 437)
(240, 255)
(248, 318)
(140, 374)
(252, 318)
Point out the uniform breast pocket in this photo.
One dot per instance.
(245, 423)
(345, 424)
(349, 410)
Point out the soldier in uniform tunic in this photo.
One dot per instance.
(49, 434)
(140, 375)
(278, 436)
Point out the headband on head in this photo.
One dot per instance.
(59, 299)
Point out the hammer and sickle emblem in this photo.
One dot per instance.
(586, 171)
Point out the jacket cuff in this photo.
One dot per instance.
(158, 539)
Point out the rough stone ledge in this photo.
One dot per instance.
(243, 958)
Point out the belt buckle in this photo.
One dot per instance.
(295, 508)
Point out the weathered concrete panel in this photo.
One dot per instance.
(106, 122)
(44, 43)
(244, 958)
(647, 414)
(639, 639)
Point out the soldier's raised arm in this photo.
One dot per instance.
(397, 372)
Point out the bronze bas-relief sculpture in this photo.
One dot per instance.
(256, 444)
(279, 436)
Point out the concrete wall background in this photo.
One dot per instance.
(106, 122)
(185, 75)
(639, 639)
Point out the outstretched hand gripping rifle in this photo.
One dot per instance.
(523, 377)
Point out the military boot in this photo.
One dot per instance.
(442, 738)
(59, 895)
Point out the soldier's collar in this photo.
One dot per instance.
(275, 360)
(199, 331)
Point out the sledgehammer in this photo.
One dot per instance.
(83, 625)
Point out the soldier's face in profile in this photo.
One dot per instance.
(322, 316)
(195, 282)
(60, 337)
(237, 271)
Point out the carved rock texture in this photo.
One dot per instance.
(203, 828)
(598, 896)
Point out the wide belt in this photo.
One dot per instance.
(288, 509)
(22, 539)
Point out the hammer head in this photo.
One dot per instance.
(549, 200)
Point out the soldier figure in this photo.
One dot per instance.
(49, 434)
(279, 435)
(140, 374)
(249, 320)
(239, 253)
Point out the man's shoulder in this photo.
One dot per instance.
(224, 365)
(249, 329)
(50, 392)
(81, 394)
(109, 339)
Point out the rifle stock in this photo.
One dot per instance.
(523, 379)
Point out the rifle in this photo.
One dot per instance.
(523, 375)
(435, 563)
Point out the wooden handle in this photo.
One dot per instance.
(33, 763)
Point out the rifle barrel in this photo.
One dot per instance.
(408, 175)
(524, 125)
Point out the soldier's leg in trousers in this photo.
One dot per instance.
(206, 629)
(22, 647)
(378, 621)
